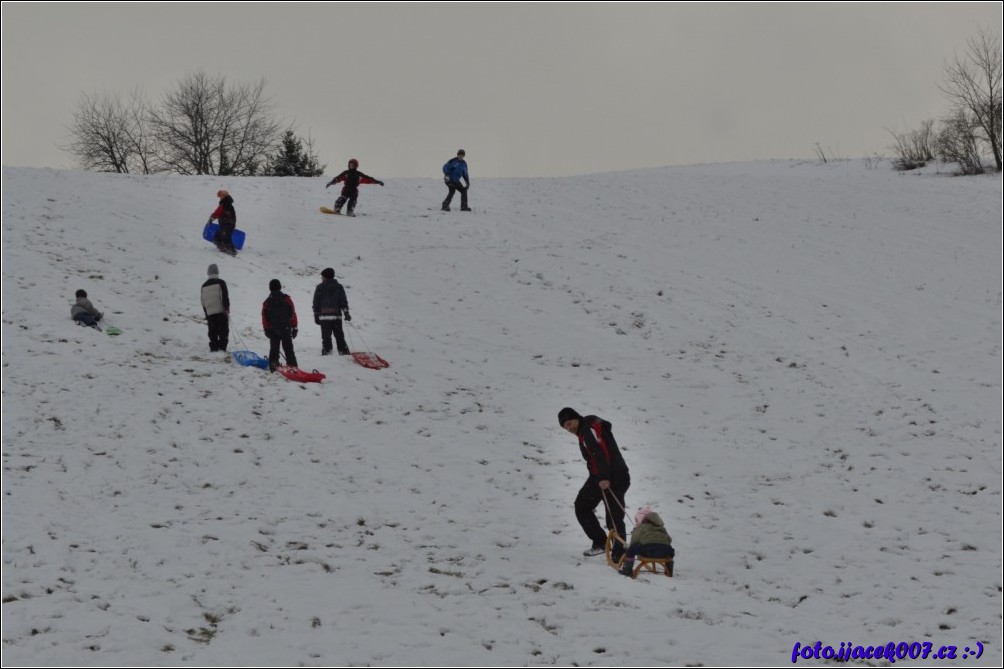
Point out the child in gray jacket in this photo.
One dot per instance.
(84, 312)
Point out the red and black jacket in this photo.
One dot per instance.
(278, 315)
(599, 448)
(352, 178)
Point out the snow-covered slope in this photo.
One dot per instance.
(802, 364)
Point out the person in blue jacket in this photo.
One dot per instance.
(454, 171)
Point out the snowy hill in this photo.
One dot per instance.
(802, 364)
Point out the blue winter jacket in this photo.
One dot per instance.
(455, 169)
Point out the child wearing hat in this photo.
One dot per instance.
(278, 319)
(351, 177)
(648, 539)
(227, 216)
(330, 303)
(216, 306)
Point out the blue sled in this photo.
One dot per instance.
(212, 229)
(249, 359)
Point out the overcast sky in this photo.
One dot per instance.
(527, 89)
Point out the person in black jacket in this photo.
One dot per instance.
(608, 479)
(352, 177)
(278, 319)
(330, 303)
(216, 305)
(227, 216)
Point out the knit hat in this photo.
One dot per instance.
(566, 415)
(328, 273)
(213, 270)
(639, 515)
(461, 153)
(81, 293)
(274, 285)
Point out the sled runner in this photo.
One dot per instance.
(652, 565)
(611, 538)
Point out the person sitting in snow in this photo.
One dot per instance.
(84, 312)
(648, 539)
(278, 319)
(351, 177)
(227, 216)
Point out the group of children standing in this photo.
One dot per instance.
(278, 316)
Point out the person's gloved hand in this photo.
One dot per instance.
(348, 316)
(268, 334)
(379, 182)
(317, 319)
(292, 333)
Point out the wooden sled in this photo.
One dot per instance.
(652, 565)
(647, 563)
(611, 538)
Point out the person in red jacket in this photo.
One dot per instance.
(351, 177)
(608, 480)
(278, 319)
(227, 216)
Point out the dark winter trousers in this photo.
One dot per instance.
(590, 496)
(286, 339)
(86, 319)
(456, 186)
(328, 328)
(219, 331)
(349, 195)
(224, 240)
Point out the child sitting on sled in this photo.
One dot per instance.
(84, 312)
(648, 539)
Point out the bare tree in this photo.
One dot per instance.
(140, 135)
(103, 132)
(206, 126)
(973, 84)
(958, 142)
(913, 148)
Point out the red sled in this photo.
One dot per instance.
(370, 360)
(297, 374)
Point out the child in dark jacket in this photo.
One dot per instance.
(227, 216)
(330, 304)
(351, 177)
(278, 320)
(648, 539)
(84, 312)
